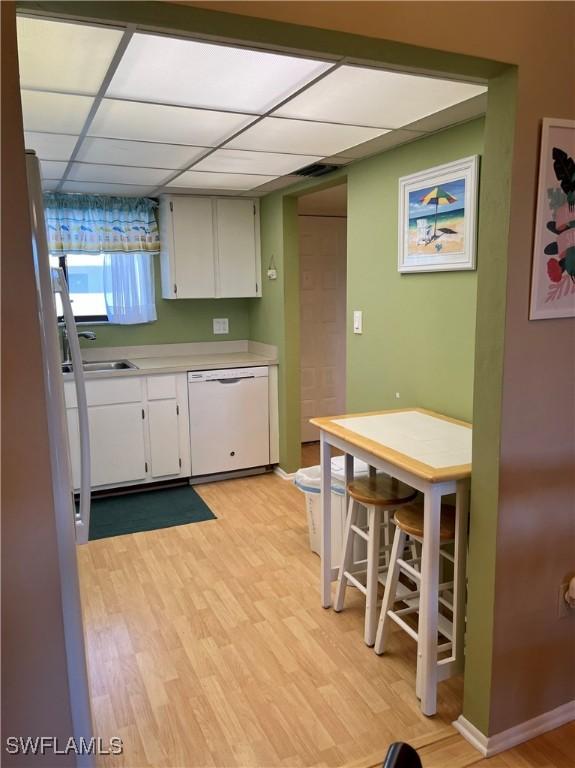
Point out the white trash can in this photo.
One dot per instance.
(308, 480)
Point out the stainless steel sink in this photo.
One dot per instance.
(103, 365)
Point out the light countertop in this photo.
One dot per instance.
(180, 358)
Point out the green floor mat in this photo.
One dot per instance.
(146, 511)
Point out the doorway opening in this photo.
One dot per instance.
(322, 228)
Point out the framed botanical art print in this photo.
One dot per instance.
(553, 271)
(437, 218)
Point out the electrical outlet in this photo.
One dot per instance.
(563, 609)
(221, 325)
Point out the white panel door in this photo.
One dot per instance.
(164, 438)
(193, 247)
(237, 248)
(117, 444)
(323, 265)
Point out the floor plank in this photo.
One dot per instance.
(207, 646)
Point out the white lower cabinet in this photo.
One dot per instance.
(164, 438)
(142, 441)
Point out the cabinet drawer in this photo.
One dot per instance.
(161, 387)
(106, 391)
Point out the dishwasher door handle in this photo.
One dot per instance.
(233, 381)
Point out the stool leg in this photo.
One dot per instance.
(374, 530)
(386, 533)
(390, 591)
(346, 555)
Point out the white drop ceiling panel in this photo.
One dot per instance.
(117, 174)
(57, 56)
(54, 112)
(50, 146)
(377, 98)
(145, 154)
(171, 71)
(53, 169)
(379, 144)
(301, 137)
(50, 185)
(240, 161)
(90, 187)
(203, 180)
(156, 122)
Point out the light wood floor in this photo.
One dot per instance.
(207, 646)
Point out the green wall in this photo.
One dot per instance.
(418, 329)
(179, 320)
(272, 319)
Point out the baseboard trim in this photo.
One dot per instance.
(499, 742)
(283, 474)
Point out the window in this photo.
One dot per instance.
(85, 277)
(105, 246)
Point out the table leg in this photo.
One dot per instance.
(427, 644)
(325, 577)
(459, 591)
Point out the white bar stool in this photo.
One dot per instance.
(409, 523)
(379, 495)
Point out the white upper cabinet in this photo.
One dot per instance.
(210, 247)
(238, 248)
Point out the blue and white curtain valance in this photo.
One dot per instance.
(100, 224)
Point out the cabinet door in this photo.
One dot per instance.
(194, 273)
(117, 453)
(237, 226)
(117, 444)
(164, 438)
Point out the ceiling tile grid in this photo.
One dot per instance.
(113, 110)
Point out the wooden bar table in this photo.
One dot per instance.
(432, 453)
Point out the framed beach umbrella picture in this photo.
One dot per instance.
(438, 218)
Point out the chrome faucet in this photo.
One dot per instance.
(66, 343)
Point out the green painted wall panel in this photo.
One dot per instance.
(179, 320)
(494, 201)
(418, 329)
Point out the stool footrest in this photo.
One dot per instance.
(351, 578)
(410, 631)
(360, 532)
(410, 569)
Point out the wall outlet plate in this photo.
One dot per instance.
(272, 274)
(221, 325)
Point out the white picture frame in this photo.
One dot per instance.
(553, 266)
(445, 238)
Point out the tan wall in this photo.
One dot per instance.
(533, 650)
(34, 677)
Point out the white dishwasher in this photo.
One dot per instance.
(229, 419)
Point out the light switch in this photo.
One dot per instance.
(358, 321)
(221, 325)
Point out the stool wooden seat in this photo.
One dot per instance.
(379, 495)
(410, 520)
(381, 491)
